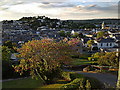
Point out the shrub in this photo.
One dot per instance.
(66, 76)
(75, 84)
(75, 75)
(81, 82)
(88, 84)
(69, 86)
(51, 76)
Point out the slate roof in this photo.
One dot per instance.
(107, 40)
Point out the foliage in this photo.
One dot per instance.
(96, 56)
(66, 76)
(78, 83)
(81, 82)
(75, 45)
(90, 43)
(6, 53)
(7, 69)
(62, 33)
(40, 56)
(75, 35)
(108, 58)
(6, 62)
(88, 84)
(52, 75)
(68, 34)
(10, 45)
(100, 34)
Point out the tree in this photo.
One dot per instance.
(6, 53)
(90, 42)
(62, 33)
(75, 35)
(40, 56)
(7, 70)
(100, 34)
(68, 33)
(10, 45)
(108, 58)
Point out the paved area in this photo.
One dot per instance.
(12, 79)
(106, 78)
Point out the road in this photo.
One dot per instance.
(105, 78)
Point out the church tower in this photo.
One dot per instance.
(103, 25)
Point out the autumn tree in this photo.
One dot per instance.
(100, 34)
(108, 58)
(40, 56)
(90, 43)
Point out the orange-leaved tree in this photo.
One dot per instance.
(38, 56)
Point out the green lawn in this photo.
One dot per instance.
(81, 62)
(58, 84)
(23, 83)
(38, 84)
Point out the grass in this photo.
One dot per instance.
(23, 83)
(57, 85)
(39, 84)
(82, 62)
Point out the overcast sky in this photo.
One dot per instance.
(61, 9)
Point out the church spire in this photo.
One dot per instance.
(103, 25)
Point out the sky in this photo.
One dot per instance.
(60, 9)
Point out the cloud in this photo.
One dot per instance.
(112, 8)
(55, 9)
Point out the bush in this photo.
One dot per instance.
(78, 83)
(88, 84)
(75, 75)
(81, 82)
(66, 76)
(8, 71)
(69, 86)
(49, 76)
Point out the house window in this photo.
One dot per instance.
(107, 44)
(110, 44)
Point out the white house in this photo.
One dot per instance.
(72, 32)
(106, 43)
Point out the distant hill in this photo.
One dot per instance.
(98, 21)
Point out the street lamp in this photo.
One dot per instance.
(118, 54)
